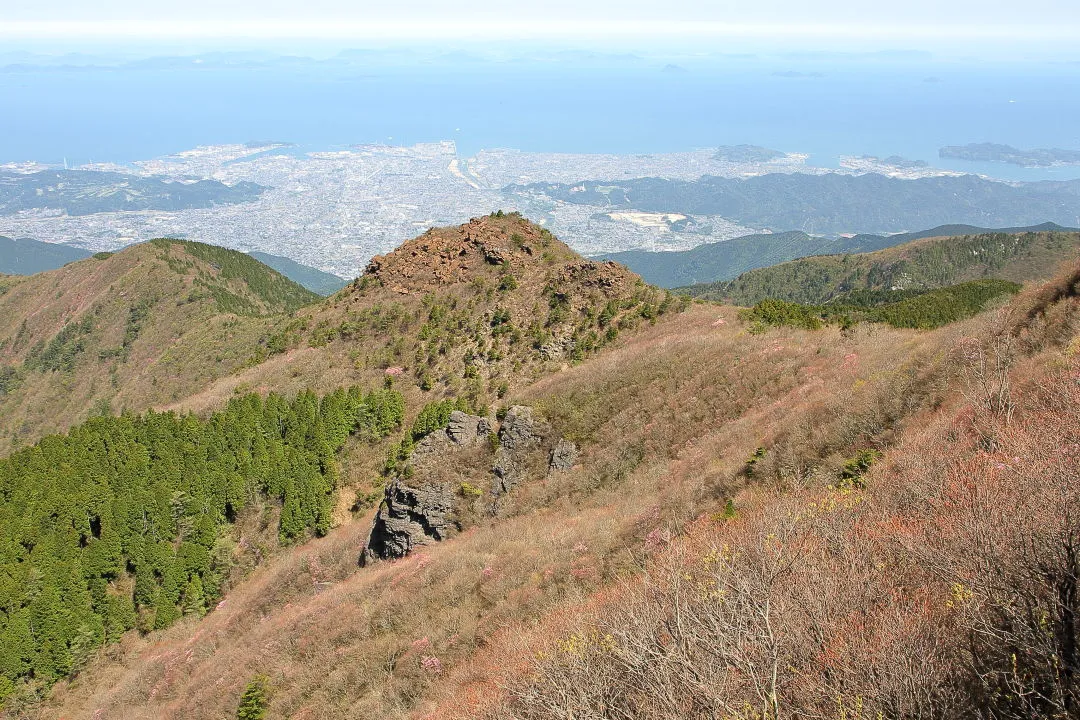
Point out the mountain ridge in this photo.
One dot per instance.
(129, 329)
(922, 264)
(714, 262)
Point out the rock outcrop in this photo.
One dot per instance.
(421, 505)
(409, 516)
(519, 434)
(464, 431)
(484, 247)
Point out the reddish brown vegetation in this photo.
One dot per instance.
(938, 583)
(948, 589)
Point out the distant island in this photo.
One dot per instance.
(993, 152)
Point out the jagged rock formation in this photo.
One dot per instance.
(520, 434)
(464, 430)
(408, 517)
(488, 246)
(421, 505)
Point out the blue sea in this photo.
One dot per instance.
(827, 108)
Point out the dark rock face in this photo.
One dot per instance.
(466, 429)
(409, 517)
(415, 512)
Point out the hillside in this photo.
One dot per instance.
(317, 281)
(919, 265)
(26, 256)
(183, 325)
(472, 310)
(475, 307)
(726, 260)
(541, 461)
(801, 500)
(147, 325)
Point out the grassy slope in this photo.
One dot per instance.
(922, 264)
(144, 326)
(666, 421)
(667, 417)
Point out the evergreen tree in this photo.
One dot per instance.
(119, 524)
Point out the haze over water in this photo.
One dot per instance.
(877, 104)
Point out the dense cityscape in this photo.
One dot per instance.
(334, 210)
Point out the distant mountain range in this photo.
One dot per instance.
(28, 257)
(720, 261)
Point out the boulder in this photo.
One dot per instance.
(466, 429)
(409, 516)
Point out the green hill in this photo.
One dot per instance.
(923, 264)
(313, 279)
(921, 309)
(149, 324)
(726, 260)
(263, 289)
(26, 256)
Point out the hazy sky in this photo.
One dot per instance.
(863, 20)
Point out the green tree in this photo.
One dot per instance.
(256, 699)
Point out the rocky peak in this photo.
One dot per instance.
(487, 246)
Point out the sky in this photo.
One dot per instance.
(808, 22)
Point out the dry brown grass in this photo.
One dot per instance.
(667, 422)
(947, 589)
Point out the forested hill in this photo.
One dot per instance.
(127, 522)
(149, 324)
(714, 262)
(26, 257)
(920, 265)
